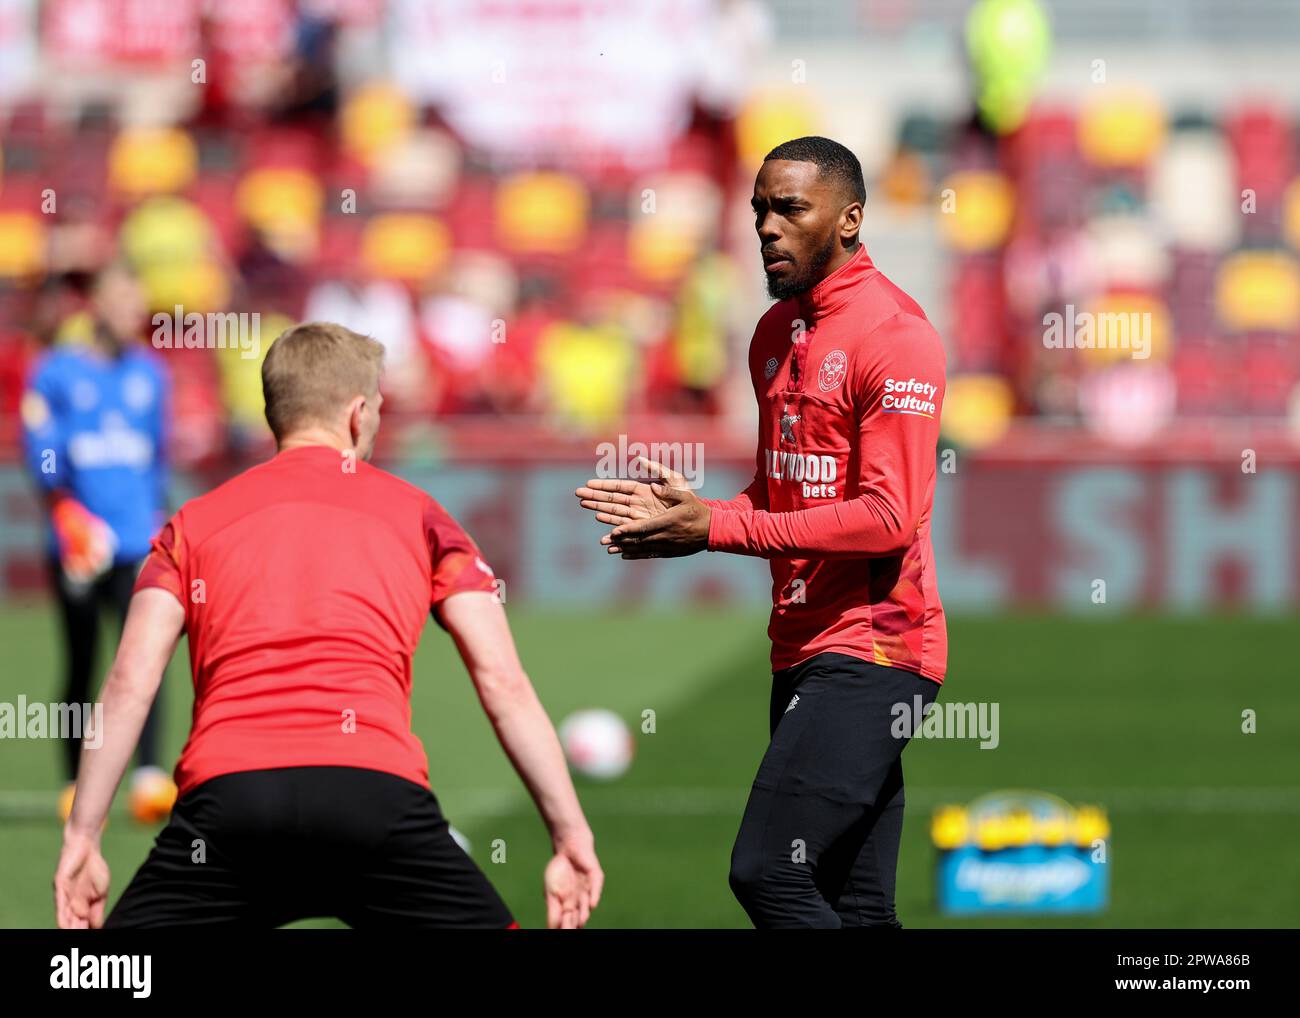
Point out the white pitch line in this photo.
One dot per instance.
(611, 801)
(487, 803)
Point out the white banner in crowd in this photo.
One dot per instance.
(580, 81)
(17, 47)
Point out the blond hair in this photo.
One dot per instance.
(313, 370)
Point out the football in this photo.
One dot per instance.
(597, 744)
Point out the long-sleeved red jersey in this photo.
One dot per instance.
(849, 378)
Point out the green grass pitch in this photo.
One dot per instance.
(1141, 715)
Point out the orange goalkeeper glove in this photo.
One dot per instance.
(86, 543)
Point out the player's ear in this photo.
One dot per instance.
(355, 409)
(851, 221)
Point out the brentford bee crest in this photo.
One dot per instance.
(833, 370)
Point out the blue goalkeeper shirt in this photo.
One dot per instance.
(94, 426)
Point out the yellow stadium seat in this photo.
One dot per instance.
(541, 213)
(285, 204)
(376, 120)
(587, 371)
(1125, 324)
(199, 286)
(405, 246)
(976, 210)
(151, 160)
(166, 229)
(772, 117)
(22, 244)
(1259, 290)
(666, 237)
(1121, 130)
(977, 409)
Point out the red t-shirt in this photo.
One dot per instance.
(850, 381)
(306, 582)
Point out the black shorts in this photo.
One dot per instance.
(264, 848)
(818, 845)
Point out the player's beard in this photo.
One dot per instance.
(807, 275)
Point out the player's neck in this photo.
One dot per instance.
(315, 436)
(841, 258)
(107, 345)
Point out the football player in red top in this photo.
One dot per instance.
(849, 377)
(303, 585)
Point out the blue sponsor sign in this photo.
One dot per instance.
(1021, 852)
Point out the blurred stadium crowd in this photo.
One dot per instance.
(324, 159)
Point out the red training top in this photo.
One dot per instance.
(306, 582)
(849, 378)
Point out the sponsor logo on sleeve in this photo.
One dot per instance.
(909, 396)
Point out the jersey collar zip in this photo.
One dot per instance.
(835, 290)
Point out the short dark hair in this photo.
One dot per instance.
(833, 160)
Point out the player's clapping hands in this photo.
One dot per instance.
(616, 501)
(659, 519)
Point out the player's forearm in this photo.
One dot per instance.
(529, 740)
(106, 753)
(752, 498)
(741, 503)
(864, 527)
